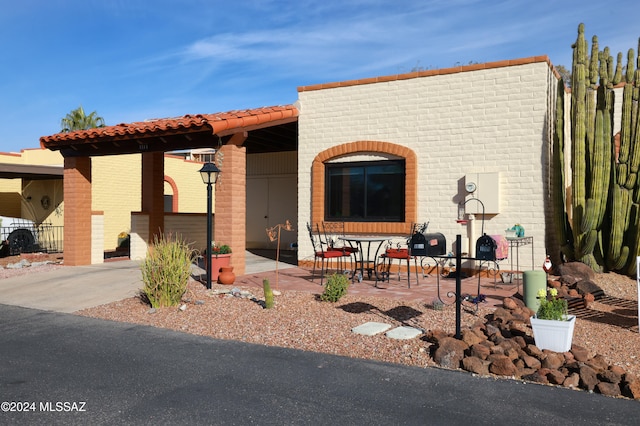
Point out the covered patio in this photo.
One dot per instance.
(233, 134)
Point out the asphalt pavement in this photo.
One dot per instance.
(58, 368)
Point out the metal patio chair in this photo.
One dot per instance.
(320, 252)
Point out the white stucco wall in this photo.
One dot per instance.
(487, 120)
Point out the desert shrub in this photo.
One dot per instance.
(335, 288)
(166, 271)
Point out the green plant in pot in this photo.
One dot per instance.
(217, 249)
(219, 256)
(552, 325)
(552, 308)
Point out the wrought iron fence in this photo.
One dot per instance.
(23, 236)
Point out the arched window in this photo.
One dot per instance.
(371, 165)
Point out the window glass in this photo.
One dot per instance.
(365, 191)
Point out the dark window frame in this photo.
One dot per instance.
(383, 194)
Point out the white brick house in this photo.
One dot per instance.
(478, 122)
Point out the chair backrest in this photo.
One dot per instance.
(316, 240)
(333, 231)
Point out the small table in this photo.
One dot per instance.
(517, 242)
(361, 261)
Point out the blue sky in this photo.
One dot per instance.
(131, 60)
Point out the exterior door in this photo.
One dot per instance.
(270, 201)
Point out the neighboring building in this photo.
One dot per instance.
(117, 183)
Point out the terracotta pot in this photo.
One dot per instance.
(217, 261)
(226, 275)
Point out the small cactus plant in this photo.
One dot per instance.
(268, 294)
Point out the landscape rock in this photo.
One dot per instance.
(434, 336)
(579, 353)
(532, 362)
(589, 287)
(450, 352)
(509, 303)
(598, 363)
(479, 351)
(631, 387)
(502, 365)
(588, 378)
(576, 269)
(610, 376)
(608, 389)
(19, 265)
(555, 377)
(552, 360)
(504, 346)
(475, 365)
(572, 381)
(470, 337)
(536, 378)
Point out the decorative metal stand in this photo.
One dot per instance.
(274, 235)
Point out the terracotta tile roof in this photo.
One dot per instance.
(214, 123)
(428, 73)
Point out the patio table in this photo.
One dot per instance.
(362, 262)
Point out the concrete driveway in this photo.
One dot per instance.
(73, 288)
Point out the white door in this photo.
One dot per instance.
(271, 201)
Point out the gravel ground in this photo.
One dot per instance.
(299, 320)
(36, 263)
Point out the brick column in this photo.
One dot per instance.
(230, 210)
(153, 192)
(77, 211)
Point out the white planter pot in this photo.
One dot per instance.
(553, 335)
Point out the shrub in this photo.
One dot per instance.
(336, 287)
(166, 271)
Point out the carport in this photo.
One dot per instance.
(234, 134)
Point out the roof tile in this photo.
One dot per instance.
(214, 122)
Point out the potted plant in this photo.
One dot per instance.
(552, 325)
(219, 256)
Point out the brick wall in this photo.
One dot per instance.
(77, 219)
(476, 121)
(230, 203)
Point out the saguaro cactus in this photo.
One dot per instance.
(605, 191)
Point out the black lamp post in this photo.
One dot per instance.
(209, 173)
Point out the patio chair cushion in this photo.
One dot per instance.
(329, 254)
(398, 253)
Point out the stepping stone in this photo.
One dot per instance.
(371, 328)
(404, 332)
